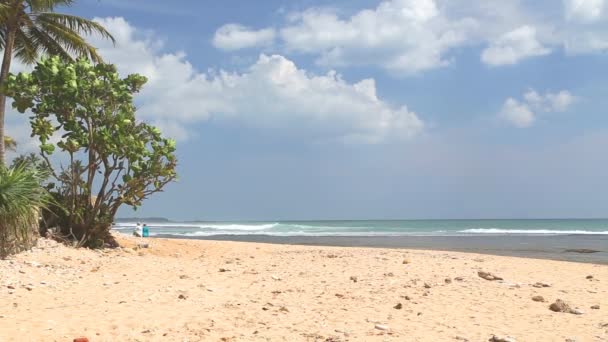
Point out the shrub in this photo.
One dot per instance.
(21, 199)
(111, 159)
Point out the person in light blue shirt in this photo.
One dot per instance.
(145, 231)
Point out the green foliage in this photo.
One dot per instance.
(113, 159)
(21, 199)
(10, 143)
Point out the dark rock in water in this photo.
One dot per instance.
(559, 306)
(581, 250)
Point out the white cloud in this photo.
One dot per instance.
(583, 10)
(518, 114)
(406, 36)
(524, 113)
(272, 93)
(514, 46)
(235, 36)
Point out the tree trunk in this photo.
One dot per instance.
(4, 71)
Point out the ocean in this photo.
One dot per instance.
(580, 240)
(538, 227)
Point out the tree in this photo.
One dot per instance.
(9, 143)
(111, 159)
(29, 28)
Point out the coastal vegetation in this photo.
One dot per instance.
(21, 198)
(29, 28)
(94, 155)
(83, 114)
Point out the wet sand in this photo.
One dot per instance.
(556, 247)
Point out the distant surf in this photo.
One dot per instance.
(377, 228)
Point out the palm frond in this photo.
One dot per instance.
(25, 48)
(77, 24)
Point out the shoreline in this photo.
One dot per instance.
(539, 247)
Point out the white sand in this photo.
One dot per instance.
(291, 293)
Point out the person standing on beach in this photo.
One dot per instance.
(145, 231)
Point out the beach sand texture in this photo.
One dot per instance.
(186, 290)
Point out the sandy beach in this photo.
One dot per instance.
(186, 290)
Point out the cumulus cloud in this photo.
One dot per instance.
(235, 36)
(524, 113)
(583, 10)
(514, 46)
(406, 36)
(271, 93)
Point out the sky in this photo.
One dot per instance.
(361, 109)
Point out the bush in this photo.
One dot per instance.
(21, 199)
(110, 159)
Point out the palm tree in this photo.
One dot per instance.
(29, 28)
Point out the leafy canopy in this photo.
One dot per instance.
(113, 159)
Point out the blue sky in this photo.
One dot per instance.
(367, 109)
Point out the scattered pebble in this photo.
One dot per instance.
(538, 298)
(447, 280)
(181, 296)
(540, 285)
(589, 277)
(354, 279)
(427, 286)
(488, 276)
(498, 338)
(595, 307)
(398, 306)
(382, 327)
(559, 306)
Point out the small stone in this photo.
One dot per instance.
(461, 338)
(540, 285)
(382, 327)
(274, 277)
(595, 307)
(354, 279)
(589, 277)
(488, 276)
(427, 286)
(447, 280)
(389, 274)
(398, 306)
(407, 298)
(459, 278)
(406, 261)
(224, 270)
(497, 338)
(559, 306)
(576, 312)
(183, 276)
(81, 339)
(181, 296)
(538, 298)
(10, 287)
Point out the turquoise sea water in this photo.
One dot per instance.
(538, 227)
